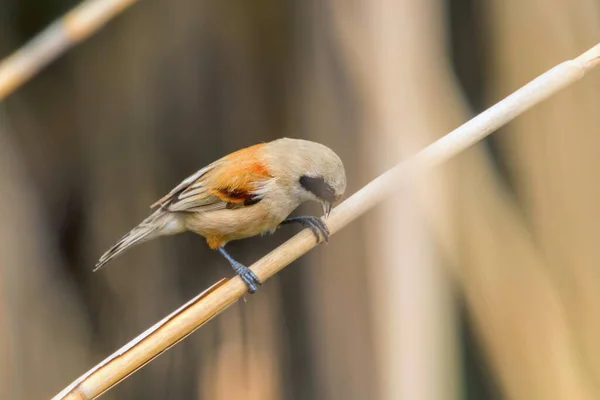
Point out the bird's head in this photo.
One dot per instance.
(315, 171)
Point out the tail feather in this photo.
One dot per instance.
(155, 225)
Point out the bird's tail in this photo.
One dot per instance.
(159, 223)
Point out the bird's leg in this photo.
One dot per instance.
(249, 278)
(315, 224)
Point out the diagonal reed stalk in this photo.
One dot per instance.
(64, 33)
(216, 299)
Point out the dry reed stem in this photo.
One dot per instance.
(201, 309)
(62, 34)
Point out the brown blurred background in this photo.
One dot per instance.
(480, 282)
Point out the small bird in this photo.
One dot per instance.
(249, 192)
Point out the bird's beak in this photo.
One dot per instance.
(326, 208)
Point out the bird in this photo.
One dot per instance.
(249, 192)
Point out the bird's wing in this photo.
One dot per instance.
(233, 181)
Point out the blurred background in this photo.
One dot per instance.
(481, 281)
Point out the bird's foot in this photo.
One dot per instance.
(249, 277)
(315, 224)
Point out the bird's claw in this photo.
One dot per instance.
(318, 228)
(315, 224)
(249, 277)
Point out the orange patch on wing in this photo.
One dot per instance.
(233, 178)
(233, 196)
(238, 176)
(260, 169)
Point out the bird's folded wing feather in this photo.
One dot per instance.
(231, 182)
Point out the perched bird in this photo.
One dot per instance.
(249, 192)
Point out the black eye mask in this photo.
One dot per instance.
(318, 187)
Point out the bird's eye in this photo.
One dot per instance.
(317, 186)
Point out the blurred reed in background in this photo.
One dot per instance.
(478, 283)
